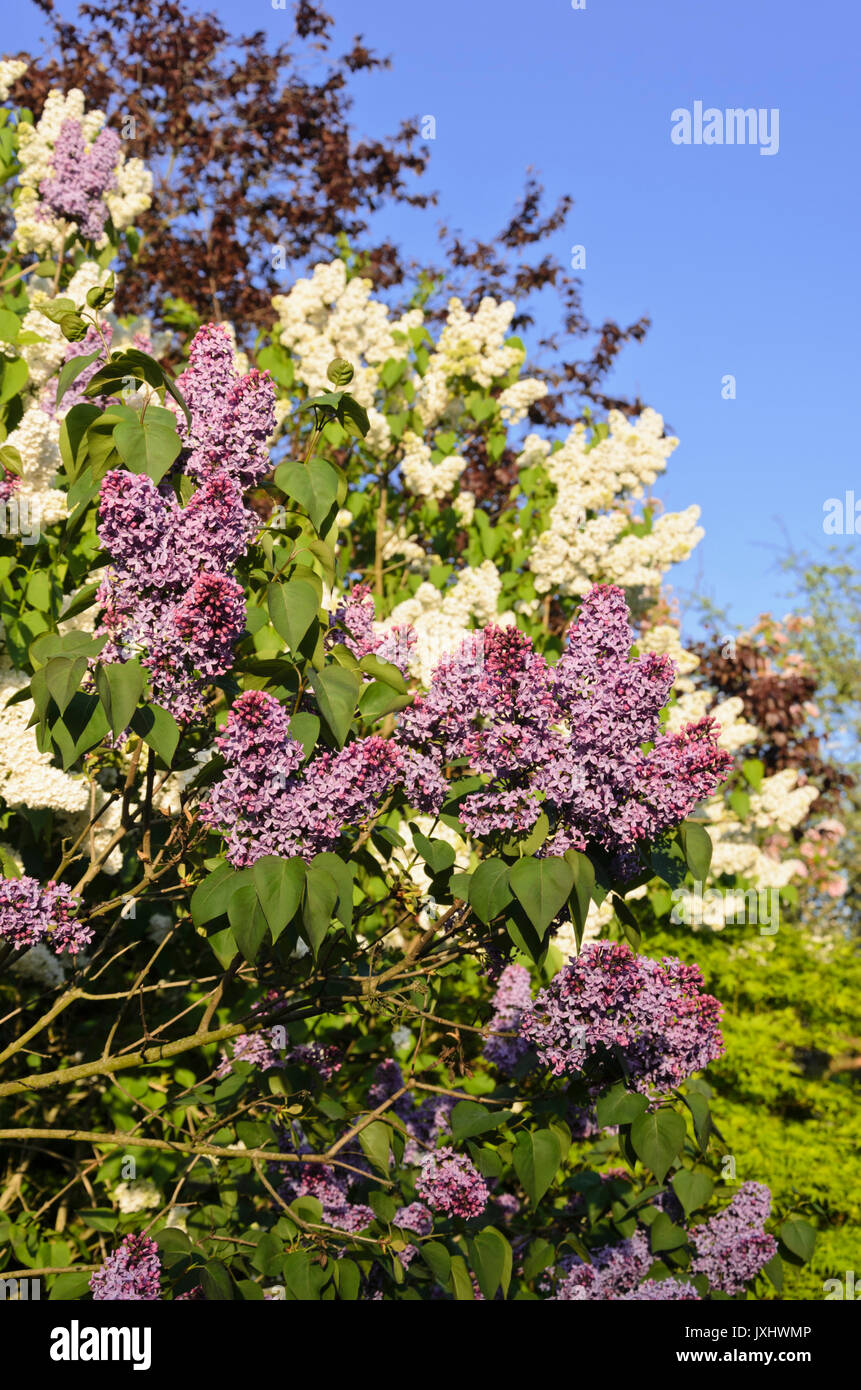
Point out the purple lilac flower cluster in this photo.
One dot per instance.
(512, 996)
(416, 1218)
(131, 1272)
(169, 597)
(568, 740)
(732, 1247)
(81, 177)
(611, 1001)
(352, 624)
(331, 1187)
(257, 1048)
(31, 913)
(450, 1183)
(264, 1049)
(616, 1273)
(8, 483)
(232, 416)
(264, 804)
(323, 1058)
(662, 1290)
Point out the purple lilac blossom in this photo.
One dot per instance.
(265, 805)
(332, 1191)
(132, 1272)
(416, 1217)
(615, 1271)
(732, 1247)
(168, 597)
(568, 740)
(512, 996)
(323, 1058)
(352, 624)
(8, 483)
(610, 1000)
(662, 1290)
(31, 913)
(81, 177)
(450, 1183)
(257, 1048)
(424, 1123)
(231, 416)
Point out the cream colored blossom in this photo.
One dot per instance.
(138, 1194)
(514, 401)
(10, 70)
(424, 478)
(326, 315)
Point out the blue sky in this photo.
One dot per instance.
(746, 263)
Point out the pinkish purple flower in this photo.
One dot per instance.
(131, 1272)
(612, 1006)
(415, 1217)
(31, 913)
(733, 1247)
(81, 177)
(266, 803)
(232, 416)
(513, 994)
(450, 1183)
(567, 740)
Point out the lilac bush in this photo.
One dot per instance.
(274, 830)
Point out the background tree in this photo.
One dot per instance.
(258, 172)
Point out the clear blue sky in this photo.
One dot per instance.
(747, 263)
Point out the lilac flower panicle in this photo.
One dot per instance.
(609, 1000)
(566, 740)
(31, 913)
(331, 1189)
(416, 1217)
(267, 803)
(663, 1290)
(131, 1272)
(169, 597)
(450, 1183)
(614, 1272)
(733, 1247)
(512, 996)
(323, 1058)
(231, 416)
(81, 177)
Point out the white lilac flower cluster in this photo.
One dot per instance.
(779, 804)
(328, 315)
(589, 537)
(514, 401)
(138, 1194)
(37, 435)
(10, 70)
(471, 346)
(421, 476)
(29, 779)
(38, 227)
